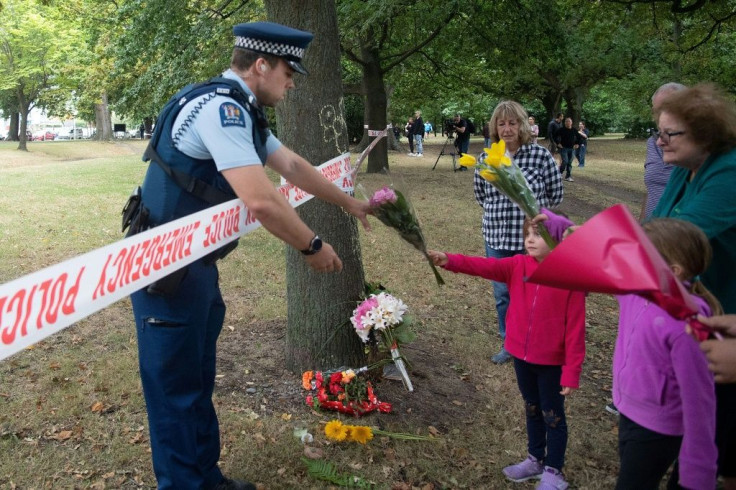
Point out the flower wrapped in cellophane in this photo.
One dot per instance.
(496, 166)
(381, 318)
(343, 391)
(394, 210)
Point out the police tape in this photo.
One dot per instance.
(45, 302)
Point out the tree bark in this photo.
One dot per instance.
(103, 122)
(375, 106)
(14, 128)
(311, 122)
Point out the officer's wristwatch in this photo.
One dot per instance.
(314, 246)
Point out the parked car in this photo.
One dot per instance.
(43, 136)
(68, 134)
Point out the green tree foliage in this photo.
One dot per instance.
(36, 51)
(378, 37)
(163, 45)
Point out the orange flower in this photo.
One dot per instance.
(307, 380)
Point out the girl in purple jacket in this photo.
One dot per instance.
(661, 383)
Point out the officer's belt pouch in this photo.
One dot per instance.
(169, 285)
(135, 214)
(220, 253)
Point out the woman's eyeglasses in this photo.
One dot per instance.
(666, 135)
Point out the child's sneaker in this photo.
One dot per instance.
(552, 480)
(526, 470)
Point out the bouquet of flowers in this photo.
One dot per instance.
(381, 317)
(342, 391)
(496, 167)
(393, 209)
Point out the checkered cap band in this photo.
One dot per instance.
(261, 46)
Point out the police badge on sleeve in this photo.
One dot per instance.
(231, 115)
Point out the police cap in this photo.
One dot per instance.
(274, 39)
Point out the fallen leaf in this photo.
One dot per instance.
(433, 430)
(64, 435)
(97, 407)
(312, 452)
(286, 416)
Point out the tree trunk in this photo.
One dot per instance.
(103, 122)
(14, 129)
(24, 110)
(311, 122)
(376, 104)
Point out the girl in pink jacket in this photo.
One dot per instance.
(661, 384)
(545, 333)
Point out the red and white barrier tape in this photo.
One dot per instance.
(40, 304)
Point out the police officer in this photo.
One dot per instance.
(211, 144)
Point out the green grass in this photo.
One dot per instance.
(71, 408)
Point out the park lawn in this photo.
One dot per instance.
(71, 408)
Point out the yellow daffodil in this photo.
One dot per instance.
(496, 155)
(334, 430)
(360, 433)
(488, 175)
(467, 160)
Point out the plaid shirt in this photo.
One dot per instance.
(503, 221)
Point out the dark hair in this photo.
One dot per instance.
(681, 242)
(242, 59)
(707, 114)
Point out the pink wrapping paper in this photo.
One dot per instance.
(611, 254)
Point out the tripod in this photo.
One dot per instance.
(442, 152)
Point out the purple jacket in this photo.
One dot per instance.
(661, 381)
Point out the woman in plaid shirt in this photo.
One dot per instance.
(503, 221)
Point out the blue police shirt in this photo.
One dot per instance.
(219, 129)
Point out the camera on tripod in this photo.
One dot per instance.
(449, 127)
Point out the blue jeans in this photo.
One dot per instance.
(546, 426)
(580, 155)
(566, 154)
(486, 142)
(500, 289)
(418, 143)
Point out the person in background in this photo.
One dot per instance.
(218, 132)
(583, 135)
(656, 171)
(546, 337)
(503, 221)
(427, 129)
(487, 134)
(661, 384)
(552, 128)
(697, 135)
(462, 140)
(567, 142)
(418, 131)
(409, 129)
(534, 129)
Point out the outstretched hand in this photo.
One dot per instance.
(438, 258)
(567, 390)
(360, 209)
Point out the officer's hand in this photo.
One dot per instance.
(360, 209)
(326, 260)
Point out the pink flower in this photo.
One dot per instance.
(382, 196)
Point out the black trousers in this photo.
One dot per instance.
(645, 457)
